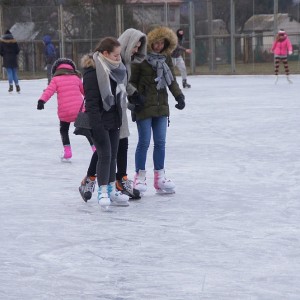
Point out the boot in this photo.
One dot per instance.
(139, 182)
(125, 186)
(185, 84)
(67, 154)
(116, 197)
(11, 88)
(103, 199)
(162, 184)
(18, 89)
(87, 187)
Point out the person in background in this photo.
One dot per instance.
(67, 83)
(151, 78)
(177, 57)
(282, 47)
(9, 50)
(104, 81)
(49, 54)
(133, 50)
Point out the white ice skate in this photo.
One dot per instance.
(162, 184)
(103, 199)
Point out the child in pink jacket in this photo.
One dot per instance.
(282, 47)
(66, 82)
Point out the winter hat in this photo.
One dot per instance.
(61, 61)
(7, 31)
(281, 31)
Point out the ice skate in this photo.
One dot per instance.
(87, 187)
(116, 197)
(139, 182)
(103, 199)
(185, 84)
(289, 79)
(162, 184)
(125, 186)
(67, 154)
(276, 79)
(18, 89)
(11, 88)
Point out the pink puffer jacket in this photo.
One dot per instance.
(69, 89)
(282, 48)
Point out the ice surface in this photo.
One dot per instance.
(231, 231)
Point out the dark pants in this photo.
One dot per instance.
(121, 160)
(64, 133)
(106, 143)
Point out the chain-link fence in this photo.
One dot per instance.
(222, 42)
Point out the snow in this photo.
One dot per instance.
(231, 231)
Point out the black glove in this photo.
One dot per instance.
(40, 104)
(180, 99)
(136, 102)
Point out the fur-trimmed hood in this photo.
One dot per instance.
(161, 33)
(87, 61)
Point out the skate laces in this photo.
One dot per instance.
(127, 183)
(90, 185)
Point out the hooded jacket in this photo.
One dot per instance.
(49, 51)
(66, 82)
(128, 40)
(143, 77)
(282, 47)
(9, 49)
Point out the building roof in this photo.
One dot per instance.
(24, 31)
(154, 1)
(264, 22)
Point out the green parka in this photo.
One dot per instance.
(143, 77)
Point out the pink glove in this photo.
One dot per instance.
(290, 52)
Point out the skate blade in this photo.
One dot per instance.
(123, 204)
(65, 160)
(105, 208)
(165, 191)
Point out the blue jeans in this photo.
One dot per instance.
(12, 76)
(159, 129)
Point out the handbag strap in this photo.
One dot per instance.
(81, 106)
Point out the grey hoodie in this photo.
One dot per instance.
(128, 40)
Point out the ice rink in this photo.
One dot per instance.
(231, 231)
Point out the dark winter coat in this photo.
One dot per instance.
(179, 50)
(49, 51)
(143, 78)
(111, 119)
(9, 49)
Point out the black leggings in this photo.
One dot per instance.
(64, 133)
(106, 143)
(121, 160)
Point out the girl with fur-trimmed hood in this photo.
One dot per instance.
(104, 82)
(67, 83)
(133, 50)
(152, 78)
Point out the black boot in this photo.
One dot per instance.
(185, 84)
(11, 88)
(18, 88)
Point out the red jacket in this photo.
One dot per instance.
(69, 89)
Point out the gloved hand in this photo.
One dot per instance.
(180, 99)
(40, 104)
(290, 52)
(136, 101)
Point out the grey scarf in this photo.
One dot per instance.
(106, 69)
(164, 75)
